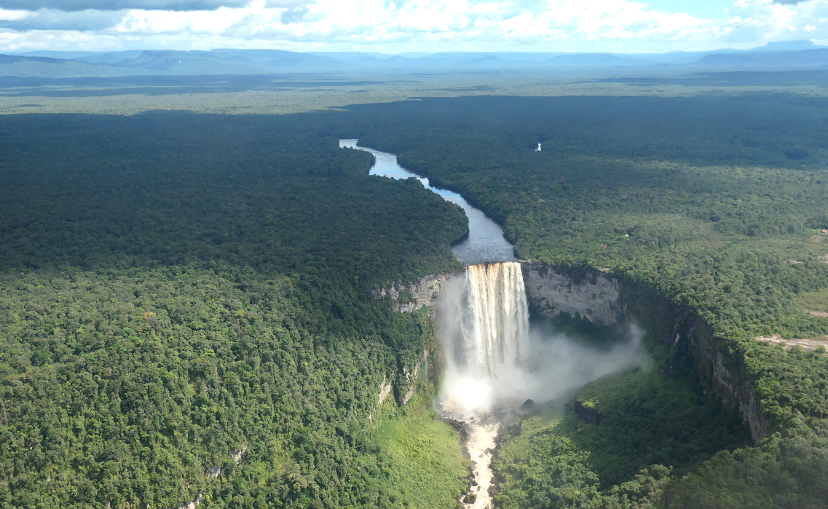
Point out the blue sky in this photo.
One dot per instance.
(394, 26)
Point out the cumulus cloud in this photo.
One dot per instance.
(406, 25)
(295, 15)
(117, 5)
(287, 4)
(47, 19)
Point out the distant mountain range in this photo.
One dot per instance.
(58, 64)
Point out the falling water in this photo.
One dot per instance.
(484, 326)
(492, 322)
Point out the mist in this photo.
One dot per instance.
(525, 362)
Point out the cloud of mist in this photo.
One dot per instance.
(552, 365)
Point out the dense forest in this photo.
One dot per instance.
(186, 309)
(185, 314)
(715, 204)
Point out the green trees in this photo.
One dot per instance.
(185, 311)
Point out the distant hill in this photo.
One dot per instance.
(57, 64)
(44, 67)
(787, 59)
(598, 60)
(787, 46)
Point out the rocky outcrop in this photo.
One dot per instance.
(411, 297)
(588, 411)
(592, 295)
(385, 390)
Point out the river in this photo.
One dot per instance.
(485, 243)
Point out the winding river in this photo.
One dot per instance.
(484, 244)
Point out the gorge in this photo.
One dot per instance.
(495, 363)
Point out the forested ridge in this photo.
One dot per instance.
(185, 314)
(715, 204)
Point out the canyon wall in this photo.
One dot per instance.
(592, 295)
(606, 301)
(727, 378)
(408, 298)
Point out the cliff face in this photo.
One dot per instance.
(407, 299)
(604, 300)
(423, 293)
(734, 390)
(551, 292)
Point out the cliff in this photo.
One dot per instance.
(592, 295)
(407, 299)
(605, 300)
(411, 297)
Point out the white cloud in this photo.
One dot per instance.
(408, 25)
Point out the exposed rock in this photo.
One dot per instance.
(385, 390)
(410, 379)
(192, 504)
(588, 411)
(807, 344)
(551, 292)
(527, 406)
(423, 293)
(237, 455)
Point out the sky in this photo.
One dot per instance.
(400, 26)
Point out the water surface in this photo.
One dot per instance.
(485, 242)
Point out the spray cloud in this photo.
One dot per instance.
(495, 361)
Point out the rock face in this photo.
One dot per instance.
(423, 293)
(727, 379)
(723, 375)
(409, 379)
(592, 295)
(603, 300)
(588, 411)
(385, 390)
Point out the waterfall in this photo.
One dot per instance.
(483, 324)
(494, 363)
(495, 322)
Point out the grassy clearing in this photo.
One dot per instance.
(426, 467)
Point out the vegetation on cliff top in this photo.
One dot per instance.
(176, 289)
